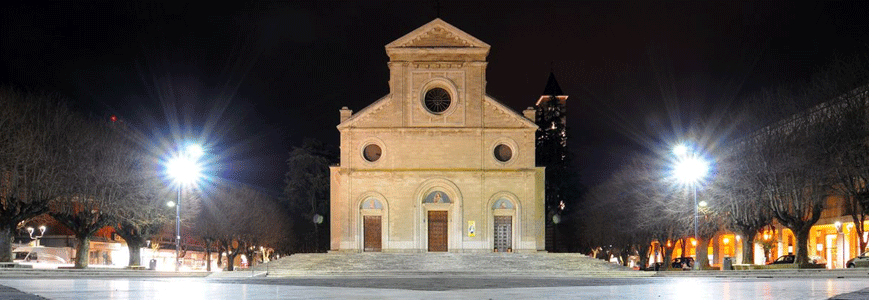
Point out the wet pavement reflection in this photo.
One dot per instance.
(439, 288)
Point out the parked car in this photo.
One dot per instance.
(784, 259)
(861, 260)
(790, 258)
(41, 257)
(677, 262)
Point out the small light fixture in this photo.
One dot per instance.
(726, 241)
(738, 238)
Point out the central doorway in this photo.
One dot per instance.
(372, 234)
(437, 231)
(503, 233)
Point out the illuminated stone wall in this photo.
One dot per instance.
(398, 151)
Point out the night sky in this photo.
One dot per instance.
(252, 80)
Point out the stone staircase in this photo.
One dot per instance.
(453, 264)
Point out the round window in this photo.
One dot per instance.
(371, 152)
(503, 153)
(437, 100)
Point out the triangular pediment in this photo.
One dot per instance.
(499, 115)
(437, 34)
(382, 113)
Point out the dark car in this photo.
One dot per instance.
(861, 260)
(789, 259)
(677, 262)
(784, 259)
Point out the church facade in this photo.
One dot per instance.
(437, 165)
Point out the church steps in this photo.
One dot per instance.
(454, 264)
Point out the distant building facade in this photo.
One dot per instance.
(437, 165)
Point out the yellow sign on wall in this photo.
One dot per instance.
(472, 228)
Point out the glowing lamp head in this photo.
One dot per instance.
(194, 151)
(183, 170)
(680, 150)
(690, 170)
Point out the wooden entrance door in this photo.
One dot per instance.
(437, 231)
(503, 233)
(372, 234)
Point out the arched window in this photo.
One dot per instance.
(437, 197)
(371, 204)
(502, 204)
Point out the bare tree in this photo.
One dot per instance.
(145, 213)
(30, 125)
(206, 225)
(741, 198)
(847, 148)
(99, 181)
(239, 220)
(645, 206)
(786, 161)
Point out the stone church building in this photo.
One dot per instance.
(437, 165)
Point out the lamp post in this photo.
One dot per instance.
(690, 169)
(36, 237)
(840, 245)
(184, 169)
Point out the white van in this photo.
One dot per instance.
(42, 257)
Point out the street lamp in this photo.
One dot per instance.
(36, 237)
(184, 169)
(690, 169)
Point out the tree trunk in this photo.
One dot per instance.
(701, 253)
(748, 247)
(208, 257)
(858, 219)
(5, 243)
(135, 248)
(220, 259)
(82, 250)
(643, 250)
(668, 257)
(801, 251)
(230, 261)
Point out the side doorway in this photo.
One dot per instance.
(372, 234)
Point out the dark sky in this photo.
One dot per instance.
(252, 80)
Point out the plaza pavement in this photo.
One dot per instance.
(435, 276)
(239, 285)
